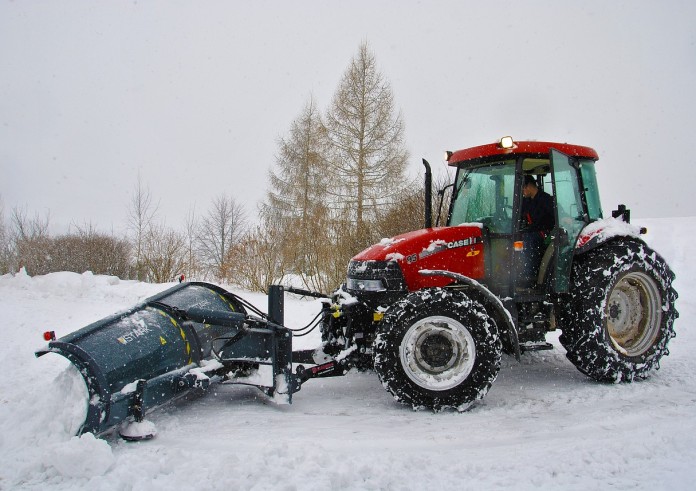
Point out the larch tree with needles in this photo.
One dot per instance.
(297, 201)
(365, 133)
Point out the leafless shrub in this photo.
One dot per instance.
(218, 236)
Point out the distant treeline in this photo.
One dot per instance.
(338, 185)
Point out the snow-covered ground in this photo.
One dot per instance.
(542, 425)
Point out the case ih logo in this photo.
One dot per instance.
(132, 335)
(441, 245)
(461, 243)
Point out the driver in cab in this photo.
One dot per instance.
(538, 221)
(537, 208)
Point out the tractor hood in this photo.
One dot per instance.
(458, 249)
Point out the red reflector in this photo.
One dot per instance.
(49, 335)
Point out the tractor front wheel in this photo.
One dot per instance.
(437, 349)
(620, 315)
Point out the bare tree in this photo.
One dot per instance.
(408, 211)
(141, 213)
(259, 264)
(406, 214)
(30, 240)
(6, 248)
(218, 234)
(191, 227)
(164, 258)
(29, 228)
(366, 136)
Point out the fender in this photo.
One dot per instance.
(602, 231)
(491, 302)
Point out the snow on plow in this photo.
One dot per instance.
(169, 344)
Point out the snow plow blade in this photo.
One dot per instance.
(168, 344)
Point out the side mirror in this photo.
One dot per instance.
(623, 213)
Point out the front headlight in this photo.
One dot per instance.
(365, 285)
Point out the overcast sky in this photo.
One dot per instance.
(193, 95)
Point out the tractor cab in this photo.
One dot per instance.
(520, 259)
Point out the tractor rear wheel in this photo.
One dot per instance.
(621, 313)
(437, 349)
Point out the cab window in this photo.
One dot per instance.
(589, 181)
(485, 195)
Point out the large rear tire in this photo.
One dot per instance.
(620, 315)
(437, 349)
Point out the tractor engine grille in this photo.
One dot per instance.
(376, 282)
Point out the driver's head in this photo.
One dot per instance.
(529, 186)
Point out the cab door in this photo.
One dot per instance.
(571, 216)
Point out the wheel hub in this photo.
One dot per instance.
(437, 353)
(633, 313)
(614, 311)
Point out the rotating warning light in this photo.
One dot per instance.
(49, 336)
(506, 142)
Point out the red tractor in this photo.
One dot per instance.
(525, 250)
(432, 310)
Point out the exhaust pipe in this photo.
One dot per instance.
(428, 195)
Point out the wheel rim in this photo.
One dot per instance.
(437, 353)
(634, 313)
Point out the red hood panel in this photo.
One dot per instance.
(458, 249)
